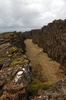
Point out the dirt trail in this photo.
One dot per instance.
(49, 68)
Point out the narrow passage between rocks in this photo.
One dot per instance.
(43, 66)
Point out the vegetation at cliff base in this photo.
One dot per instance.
(37, 84)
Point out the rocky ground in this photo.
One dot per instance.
(56, 92)
(15, 74)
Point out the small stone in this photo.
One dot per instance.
(20, 72)
(23, 69)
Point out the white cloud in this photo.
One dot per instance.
(21, 15)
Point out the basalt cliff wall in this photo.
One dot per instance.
(52, 38)
(15, 73)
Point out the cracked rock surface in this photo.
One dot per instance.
(15, 74)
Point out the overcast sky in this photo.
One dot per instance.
(22, 15)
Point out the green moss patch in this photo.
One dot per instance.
(37, 84)
(16, 54)
(1, 59)
(19, 62)
(12, 50)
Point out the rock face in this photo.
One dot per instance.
(52, 38)
(56, 92)
(15, 74)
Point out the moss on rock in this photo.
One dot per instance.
(1, 59)
(12, 50)
(19, 62)
(16, 54)
(37, 84)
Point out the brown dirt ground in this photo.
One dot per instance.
(44, 67)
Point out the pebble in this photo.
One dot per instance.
(20, 72)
